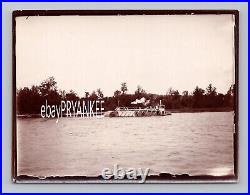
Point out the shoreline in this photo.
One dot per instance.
(181, 110)
(193, 110)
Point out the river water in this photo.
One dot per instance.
(192, 143)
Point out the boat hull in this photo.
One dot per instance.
(138, 113)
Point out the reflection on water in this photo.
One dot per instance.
(193, 143)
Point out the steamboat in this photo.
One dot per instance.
(158, 110)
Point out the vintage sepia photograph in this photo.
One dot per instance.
(125, 96)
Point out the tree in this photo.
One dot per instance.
(198, 97)
(186, 100)
(170, 91)
(117, 93)
(211, 91)
(86, 94)
(23, 100)
(99, 93)
(231, 90)
(185, 93)
(139, 90)
(49, 92)
(176, 94)
(62, 93)
(229, 97)
(198, 92)
(72, 96)
(48, 86)
(29, 100)
(93, 96)
(124, 87)
(211, 97)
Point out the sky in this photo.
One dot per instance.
(84, 53)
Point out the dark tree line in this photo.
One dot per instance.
(30, 100)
